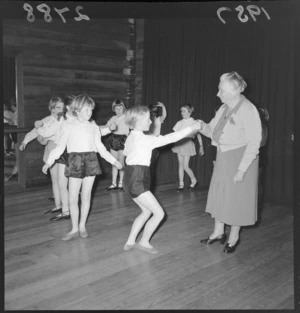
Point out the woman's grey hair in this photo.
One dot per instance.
(236, 80)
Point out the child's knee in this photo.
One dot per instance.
(160, 215)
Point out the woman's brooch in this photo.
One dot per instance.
(232, 121)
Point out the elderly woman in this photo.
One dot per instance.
(236, 132)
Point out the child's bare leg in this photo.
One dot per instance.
(186, 166)
(121, 172)
(114, 169)
(180, 170)
(148, 201)
(74, 188)
(63, 186)
(55, 186)
(87, 185)
(138, 223)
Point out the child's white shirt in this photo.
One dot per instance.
(50, 126)
(79, 137)
(138, 146)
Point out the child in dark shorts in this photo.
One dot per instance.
(116, 141)
(82, 139)
(137, 178)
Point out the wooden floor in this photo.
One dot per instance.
(42, 272)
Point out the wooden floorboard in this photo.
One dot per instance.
(42, 272)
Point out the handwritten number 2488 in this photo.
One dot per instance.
(44, 8)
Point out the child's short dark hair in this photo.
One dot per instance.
(68, 100)
(189, 107)
(118, 103)
(133, 114)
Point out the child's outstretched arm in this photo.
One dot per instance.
(173, 137)
(57, 151)
(50, 127)
(109, 127)
(28, 137)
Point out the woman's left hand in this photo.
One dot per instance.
(238, 177)
(118, 165)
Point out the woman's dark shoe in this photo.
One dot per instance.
(229, 248)
(111, 187)
(55, 210)
(120, 186)
(193, 186)
(208, 241)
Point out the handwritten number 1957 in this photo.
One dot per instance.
(252, 9)
(44, 8)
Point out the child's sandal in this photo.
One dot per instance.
(180, 188)
(111, 187)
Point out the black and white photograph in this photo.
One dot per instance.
(150, 155)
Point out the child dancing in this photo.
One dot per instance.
(44, 132)
(138, 149)
(62, 162)
(185, 148)
(116, 141)
(82, 139)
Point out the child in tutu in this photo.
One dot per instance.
(137, 179)
(185, 148)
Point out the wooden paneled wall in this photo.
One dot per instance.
(73, 58)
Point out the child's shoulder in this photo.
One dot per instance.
(48, 118)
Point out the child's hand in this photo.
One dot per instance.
(22, 146)
(160, 104)
(201, 151)
(197, 125)
(118, 165)
(45, 168)
(38, 124)
(113, 126)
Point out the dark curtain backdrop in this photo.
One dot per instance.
(9, 78)
(183, 60)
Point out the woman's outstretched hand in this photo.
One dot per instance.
(197, 125)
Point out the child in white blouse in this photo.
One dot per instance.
(185, 148)
(46, 129)
(82, 139)
(116, 141)
(63, 161)
(137, 180)
(48, 126)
